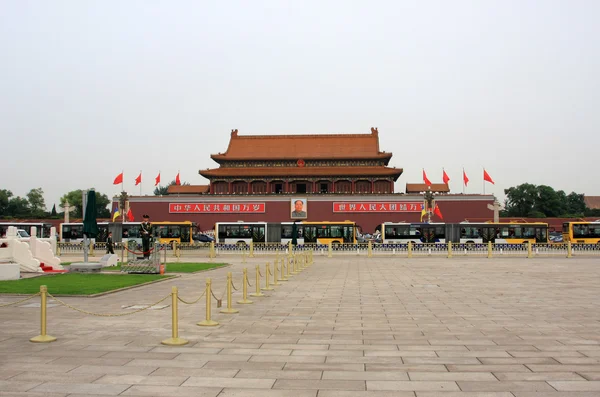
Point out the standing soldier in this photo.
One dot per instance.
(146, 230)
(109, 244)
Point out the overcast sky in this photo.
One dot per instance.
(90, 88)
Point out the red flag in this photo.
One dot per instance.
(177, 181)
(438, 212)
(445, 177)
(465, 179)
(157, 180)
(130, 215)
(427, 181)
(118, 179)
(487, 177)
(138, 180)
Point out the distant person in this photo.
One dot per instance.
(298, 209)
(146, 231)
(109, 244)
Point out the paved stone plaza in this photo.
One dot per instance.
(347, 326)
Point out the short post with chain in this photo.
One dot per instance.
(208, 322)
(282, 273)
(257, 293)
(267, 275)
(245, 300)
(42, 337)
(174, 340)
(229, 309)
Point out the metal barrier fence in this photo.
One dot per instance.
(178, 250)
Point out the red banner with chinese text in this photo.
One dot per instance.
(376, 207)
(216, 208)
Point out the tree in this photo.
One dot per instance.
(550, 202)
(53, 213)
(5, 196)
(528, 200)
(75, 199)
(164, 190)
(18, 207)
(36, 203)
(576, 204)
(520, 200)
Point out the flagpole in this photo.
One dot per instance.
(122, 190)
(463, 180)
(483, 181)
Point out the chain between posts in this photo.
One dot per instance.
(21, 301)
(195, 301)
(107, 314)
(222, 295)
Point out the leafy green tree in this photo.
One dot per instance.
(18, 207)
(549, 202)
(37, 204)
(5, 196)
(528, 200)
(164, 190)
(576, 204)
(520, 200)
(75, 199)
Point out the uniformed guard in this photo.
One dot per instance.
(109, 244)
(146, 231)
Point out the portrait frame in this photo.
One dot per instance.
(300, 213)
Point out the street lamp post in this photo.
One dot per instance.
(429, 202)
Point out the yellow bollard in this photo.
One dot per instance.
(529, 251)
(91, 248)
(290, 247)
(57, 249)
(245, 300)
(329, 251)
(294, 265)
(569, 250)
(275, 282)
(449, 249)
(410, 249)
(287, 266)
(257, 293)
(42, 337)
(370, 249)
(489, 249)
(251, 255)
(208, 322)
(267, 275)
(229, 309)
(211, 251)
(282, 276)
(175, 340)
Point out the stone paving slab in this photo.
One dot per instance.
(346, 327)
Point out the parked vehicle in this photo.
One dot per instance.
(202, 238)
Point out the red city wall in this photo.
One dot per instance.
(280, 211)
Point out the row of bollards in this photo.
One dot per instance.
(296, 262)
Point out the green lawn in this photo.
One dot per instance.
(76, 283)
(177, 267)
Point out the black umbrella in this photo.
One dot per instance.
(90, 226)
(294, 234)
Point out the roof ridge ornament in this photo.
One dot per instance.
(234, 133)
(374, 131)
